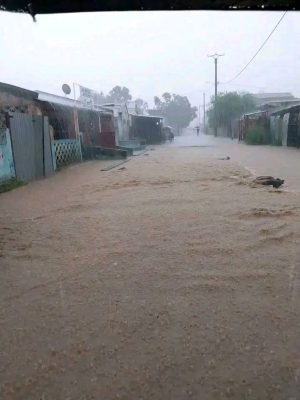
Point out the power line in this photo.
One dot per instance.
(259, 48)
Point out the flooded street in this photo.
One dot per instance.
(172, 278)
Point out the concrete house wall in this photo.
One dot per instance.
(125, 122)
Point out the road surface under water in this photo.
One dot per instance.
(171, 278)
(279, 162)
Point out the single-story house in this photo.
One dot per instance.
(121, 120)
(17, 99)
(285, 126)
(96, 127)
(146, 127)
(263, 98)
(277, 105)
(249, 119)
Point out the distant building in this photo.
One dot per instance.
(94, 125)
(262, 98)
(121, 120)
(285, 126)
(277, 105)
(148, 128)
(132, 107)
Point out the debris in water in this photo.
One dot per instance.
(269, 181)
(226, 158)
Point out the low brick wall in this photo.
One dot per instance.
(135, 144)
(113, 153)
(128, 149)
(98, 152)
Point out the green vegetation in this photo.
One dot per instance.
(258, 135)
(10, 185)
(176, 109)
(229, 105)
(277, 142)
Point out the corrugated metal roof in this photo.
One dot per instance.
(116, 108)
(271, 95)
(53, 98)
(277, 102)
(65, 101)
(286, 110)
(254, 113)
(145, 116)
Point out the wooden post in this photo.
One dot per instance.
(77, 131)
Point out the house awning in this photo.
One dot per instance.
(286, 110)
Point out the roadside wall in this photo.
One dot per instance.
(222, 131)
(7, 170)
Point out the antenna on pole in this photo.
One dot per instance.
(66, 89)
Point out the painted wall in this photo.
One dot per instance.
(125, 124)
(7, 170)
(285, 123)
(118, 128)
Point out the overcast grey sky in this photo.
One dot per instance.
(151, 52)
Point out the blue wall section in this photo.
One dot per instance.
(7, 169)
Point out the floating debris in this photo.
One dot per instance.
(269, 181)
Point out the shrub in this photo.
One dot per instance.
(258, 135)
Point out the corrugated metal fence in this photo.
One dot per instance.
(31, 146)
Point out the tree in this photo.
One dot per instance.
(118, 95)
(99, 98)
(176, 109)
(142, 106)
(229, 105)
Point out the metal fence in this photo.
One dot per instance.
(31, 146)
(67, 151)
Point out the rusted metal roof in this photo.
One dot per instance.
(18, 91)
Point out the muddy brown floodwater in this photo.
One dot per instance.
(170, 279)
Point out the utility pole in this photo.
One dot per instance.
(215, 57)
(204, 112)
